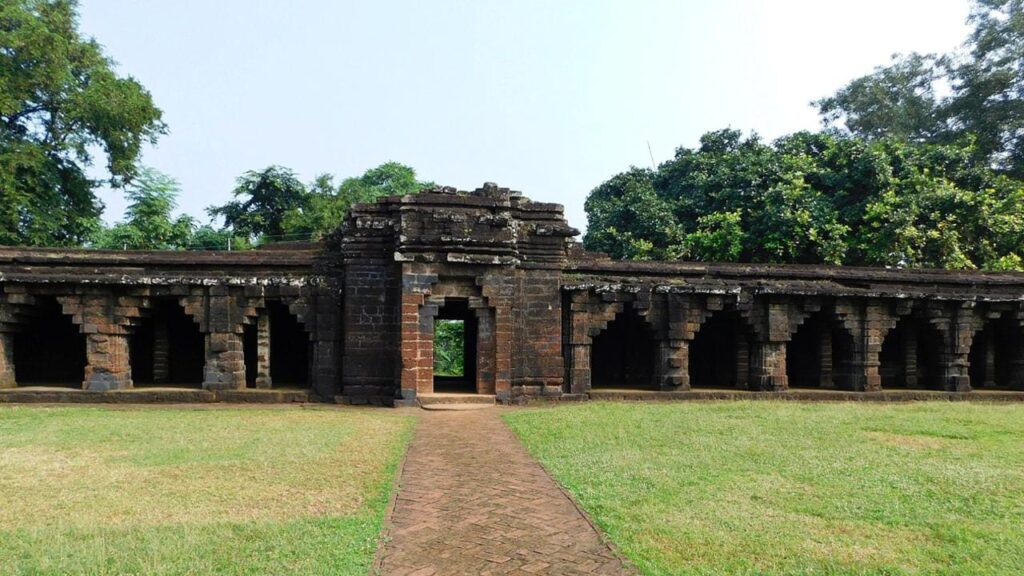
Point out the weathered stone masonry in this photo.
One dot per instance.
(353, 318)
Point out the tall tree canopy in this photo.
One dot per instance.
(61, 102)
(149, 220)
(921, 165)
(273, 204)
(813, 198)
(982, 86)
(328, 204)
(263, 200)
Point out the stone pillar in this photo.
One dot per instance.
(675, 349)
(825, 368)
(7, 360)
(579, 363)
(225, 362)
(742, 362)
(263, 350)
(909, 350)
(769, 367)
(878, 320)
(989, 361)
(161, 352)
(768, 364)
(956, 376)
(225, 358)
(675, 362)
(107, 365)
(485, 353)
(1017, 372)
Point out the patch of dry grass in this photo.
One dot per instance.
(102, 475)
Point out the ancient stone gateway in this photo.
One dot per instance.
(353, 318)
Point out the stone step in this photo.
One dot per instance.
(456, 407)
(443, 399)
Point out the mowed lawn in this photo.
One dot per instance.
(788, 488)
(283, 490)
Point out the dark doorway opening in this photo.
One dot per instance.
(910, 356)
(289, 348)
(455, 348)
(720, 352)
(820, 354)
(49, 350)
(167, 348)
(996, 354)
(624, 354)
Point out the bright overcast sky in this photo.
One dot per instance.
(550, 98)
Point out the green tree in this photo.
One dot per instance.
(208, 237)
(449, 348)
(61, 101)
(328, 204)
(149, 222)
(984, 104)
(632, 221)
(897, 100)
(814, 198)
(263, 203)
(987, 103)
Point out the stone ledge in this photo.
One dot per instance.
(809, 395)
(43, 395)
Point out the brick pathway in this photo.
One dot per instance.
(472, 501)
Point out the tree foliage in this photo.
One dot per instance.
(149, 221)
(814, 198)
(982, 86)
(61, 101)
(273, 204)
(449, 348)
(263, 201)
(921, 165)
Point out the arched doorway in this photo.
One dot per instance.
(996, 353)
(624, 354)
(49, 350)
(720, 352)
(455, 347)
(911, 356)
(276, 349)
(167, 348)
(819, 354)
(289, 347)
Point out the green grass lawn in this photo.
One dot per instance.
(789, 488)
(281, 490)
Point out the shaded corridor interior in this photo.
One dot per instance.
(49, 349)
(624, 354)
(996, 354)
(720, 352)
(819, 354)
(167, 348)
(910, 356)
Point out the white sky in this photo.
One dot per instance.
(547, 97)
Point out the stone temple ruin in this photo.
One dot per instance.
(352, 319)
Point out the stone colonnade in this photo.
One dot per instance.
(767, 323)
(108, 315)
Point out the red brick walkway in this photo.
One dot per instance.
(472, 501)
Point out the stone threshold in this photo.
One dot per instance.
(807, 395)
(154, 395)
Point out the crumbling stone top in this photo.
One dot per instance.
(587, 270)
(18, 264)
(489, 225)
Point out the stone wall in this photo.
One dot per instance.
(544, 312)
